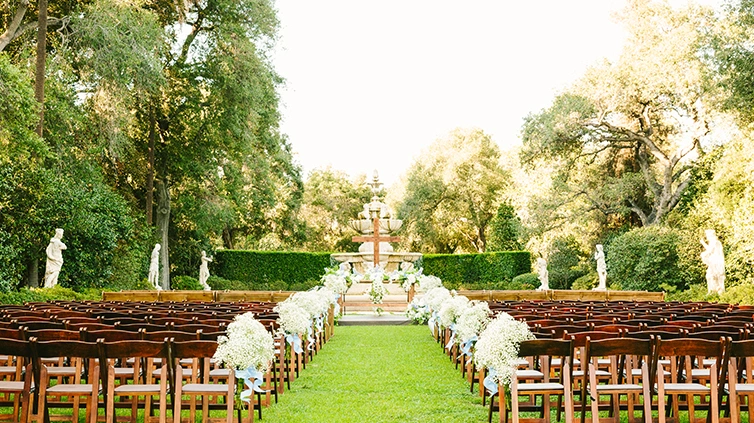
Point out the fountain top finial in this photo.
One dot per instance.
(376, 186)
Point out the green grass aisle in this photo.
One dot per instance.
(379, 374)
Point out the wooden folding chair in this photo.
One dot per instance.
(16, 389)
(683, 353)
(542, 351)
(626, 355)
(199, 385)
(140, 351)
(740, 377)
(78, 352)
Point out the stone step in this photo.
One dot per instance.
(368, 306)
(373, 320)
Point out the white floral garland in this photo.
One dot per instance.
(429, 282)
(377, 291)
(497, 347)
(418, 311)
(247, 344)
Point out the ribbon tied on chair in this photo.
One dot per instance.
(432, 323)
(336, 310)
(253, 379)
(490, 383)
(452, 336)
(295, 342)
(466, 347)
(310, 338)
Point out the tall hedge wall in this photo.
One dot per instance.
(260, 268)
(477, 269)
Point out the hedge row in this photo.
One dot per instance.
(477, 269)
(262, 269)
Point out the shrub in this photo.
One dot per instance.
(484, 269)
(526, 279)
(185, 283)
(563, 265)
(261, 268)
(739, 294)
(221, 284)
(645, 259)
(588, 281)
(27, 295)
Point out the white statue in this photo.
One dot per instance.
(344, 267)
(543, 275)
(601, 268)
(154, 268)
(407, 266)
(204, 271)
(714, 258)
(54, 259)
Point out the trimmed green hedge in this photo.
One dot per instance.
(261, 269)
(479, 270)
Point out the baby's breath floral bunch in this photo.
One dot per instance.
(473, 320)
(429, 282)
(312, 301)
(497, 347)
(247, 344)
(435, 297)
(451, 308)
(293, 319)
(337, 280)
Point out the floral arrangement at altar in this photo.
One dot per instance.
(248, 349)
(377, 291)
(418, 311)
(497, 349)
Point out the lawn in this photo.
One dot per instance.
(379, 374)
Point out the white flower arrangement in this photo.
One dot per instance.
(335, 282)
(473, 320)
(247, 344)
(497, 347)
(451, 309)
(293, 319)
(376, 291)
(435, 297)
(409, 279)
(313, 302)
(429, 282)
(417, 311)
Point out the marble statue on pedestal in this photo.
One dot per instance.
(54, 259)
(601, 268)
(154, 268)
(714, 258)
(204, 271)
(544, 275)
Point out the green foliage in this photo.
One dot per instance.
(505, 230)
(259, 269)
(740, 294)
(563, 265)
(221, 284)
(527, 279)
(452, 194)
(588, 281)
(18, 114)
(185, 283)
(645, 259)
(26, 295)
(477, 269)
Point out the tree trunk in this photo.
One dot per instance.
(32, 273)
(150, 167)
(228, 238)
(163, 223)
(39, 85)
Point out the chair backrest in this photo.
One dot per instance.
(690, 347)
(548, 347)
(176, 335)
(54, 335)
(110, 335)
(90, 351)
(193, 349)
(618, 346)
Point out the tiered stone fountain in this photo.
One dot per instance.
(376, 215)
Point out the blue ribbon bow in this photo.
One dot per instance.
(310, 338)
(252, 378)
(295, 342)
(452, 336)
(490, 383)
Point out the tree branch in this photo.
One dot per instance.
(10, 33)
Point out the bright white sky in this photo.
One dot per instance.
(370, 84)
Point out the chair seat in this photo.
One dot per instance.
(7, 370)
(598, 373)
(136, 389)
(536, 387)
(210, 388)
(10, 386)
(556, 362)
(619, 388)
(65, 388)
(685, 387)
(529, 374)
(219, 373)
(745, 387)
(61, 371)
